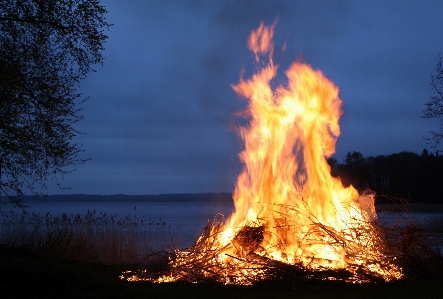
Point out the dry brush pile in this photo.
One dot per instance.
(404, 245)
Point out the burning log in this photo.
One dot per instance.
(249, 238)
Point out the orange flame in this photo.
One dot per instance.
(286, 183)
(288, 208)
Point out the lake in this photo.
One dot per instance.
(186, 218)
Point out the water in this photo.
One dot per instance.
(186, 218)
(418, 217)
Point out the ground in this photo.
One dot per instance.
(26, 274)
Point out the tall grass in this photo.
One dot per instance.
(94, 237)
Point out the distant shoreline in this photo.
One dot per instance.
(181, 197)
(413, 207)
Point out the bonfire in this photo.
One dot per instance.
(291, 218)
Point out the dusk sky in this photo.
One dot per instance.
(161, 110)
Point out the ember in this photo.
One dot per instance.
(291, 216)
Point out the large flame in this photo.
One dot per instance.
(286, 179)
(288, 207)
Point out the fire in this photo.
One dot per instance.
(289, 210)
(286, 180)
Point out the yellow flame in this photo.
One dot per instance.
(288, 207)
(286, 183)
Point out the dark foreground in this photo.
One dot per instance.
(26, 274)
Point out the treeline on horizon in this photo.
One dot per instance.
(403, 176)
(400, 177)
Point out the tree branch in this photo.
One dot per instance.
(40, 21)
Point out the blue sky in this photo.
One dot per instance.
(161, 110)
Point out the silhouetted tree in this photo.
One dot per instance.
(46, 48)
(434, 107)
(404, 175)
(354, 170)
(402, 170)
(378, 174)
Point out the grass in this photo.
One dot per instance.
(72, 256)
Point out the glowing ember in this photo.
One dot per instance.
(289, 210)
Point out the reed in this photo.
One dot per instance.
(94, 237)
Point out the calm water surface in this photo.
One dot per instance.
(188, 218)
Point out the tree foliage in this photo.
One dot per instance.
(434, 107)
(46, 48)
(405, 175)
